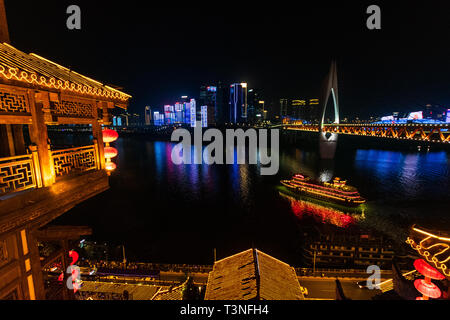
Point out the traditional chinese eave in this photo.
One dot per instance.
(433, 246)
(32, 71)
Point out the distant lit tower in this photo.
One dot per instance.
(193, 112)
(208, 99)
(148, 116)
(222, 113)
(254, 108)
(238, 102)
(283, 108)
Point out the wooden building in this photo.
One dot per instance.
(38, 184)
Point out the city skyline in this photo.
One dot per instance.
(287, 54)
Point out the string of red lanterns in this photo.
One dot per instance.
(425, 286)
(110, 152)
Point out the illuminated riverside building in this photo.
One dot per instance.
(222, 113)
(148, 116)
(283, 108)
(158, 118)
(204, 116)
(169, 114)
(208, 99)
(40, 183)
(179, 112)
(193, 112)
(255, 101)
(238, 103)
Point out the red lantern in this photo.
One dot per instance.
(428, 289)
(110, 166)
(428, 271)
(110, 136)
(110, 152)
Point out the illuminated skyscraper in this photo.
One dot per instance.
(169, 114)
(222, 113)
(179, 112)
(158, 119)
(204, 116)
(193, 112)
(238, 103)
(208, 98)
(148, 116)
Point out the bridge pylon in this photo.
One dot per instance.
(328, 140)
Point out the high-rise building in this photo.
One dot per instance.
(193, 112)
(148, 116)
(208, 98)
(169, 114)
(283, 108)
(238, 103)
(255, 108)
(222, 114)
(179, 112)
(204, 116)
(158, 118)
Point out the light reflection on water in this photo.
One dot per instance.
(321, 214)
(180, 213)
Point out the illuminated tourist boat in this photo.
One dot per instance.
(337, 191)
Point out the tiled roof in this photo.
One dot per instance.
(174, 293)
(36, 70)
(251, 275)
(136, 292)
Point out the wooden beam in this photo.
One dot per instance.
(13, 119)
(53, 233)
(64, 120)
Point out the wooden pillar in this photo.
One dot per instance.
(10, 137)
(39, 135)
(29, 280)
(36, 267)
(106, 113)
(19, 142)
(4, 146)
(98, 138)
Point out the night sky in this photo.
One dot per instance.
(159, 53)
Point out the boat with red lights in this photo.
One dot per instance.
(336, 191)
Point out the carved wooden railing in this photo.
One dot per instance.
(73, 160)
(18, 174)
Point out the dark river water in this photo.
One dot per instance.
(166, 213)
